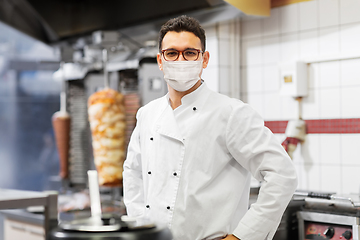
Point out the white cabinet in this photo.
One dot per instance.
(14, 229)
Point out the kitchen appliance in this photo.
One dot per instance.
(107, 226)
(329, 216)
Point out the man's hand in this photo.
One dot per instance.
(231, 237)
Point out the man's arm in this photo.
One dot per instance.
(132, 176)
(257, 150)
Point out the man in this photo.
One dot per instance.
(193, 151)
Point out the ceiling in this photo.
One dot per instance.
(54, 21)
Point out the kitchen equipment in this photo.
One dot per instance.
(107, 226)
(61, 123)
(329, 216)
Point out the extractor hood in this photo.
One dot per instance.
(58, 21)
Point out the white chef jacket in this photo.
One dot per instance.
(192, 172)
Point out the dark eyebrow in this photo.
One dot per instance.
(183, 50)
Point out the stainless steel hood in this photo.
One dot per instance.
(64, 20)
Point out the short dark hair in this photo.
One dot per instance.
(183, 24)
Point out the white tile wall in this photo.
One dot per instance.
(251, 29)
(271, 78)
(271, 25)
(308, 16)
(289, 18)
(350, 179)
(254, 79)
(318, 28)
(350, 150)
(211, 78)
(329, 13)
(212, 45)
(272, 109)
(289, 108)
(330, 179)
(329, 74)
(350, 37)
(349, 11)
(308, 47)
(350, 72)
(251, 52)
(330, 149)
(329, 103)
(350, 102)
(311, 105)
(329, 41)
(289, 48)
(271, 47)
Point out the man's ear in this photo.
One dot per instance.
(159, 61)
(206, 58)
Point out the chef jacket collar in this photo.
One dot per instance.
(190, 98)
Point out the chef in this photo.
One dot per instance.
(193, 151)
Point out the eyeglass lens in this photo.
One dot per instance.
(189, 54)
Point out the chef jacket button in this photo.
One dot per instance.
(147, 206)
(151, 138)
(168, 207)
(149, 172)
(175, 174)
(194, 108)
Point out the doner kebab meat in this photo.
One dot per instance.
(107, 122)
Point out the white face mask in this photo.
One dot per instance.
(182, 75)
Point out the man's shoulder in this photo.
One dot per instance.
(154, 106)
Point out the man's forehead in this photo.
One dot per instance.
(181, 38)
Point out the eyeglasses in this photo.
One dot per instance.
(188, 54)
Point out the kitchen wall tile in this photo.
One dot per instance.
(349, 11)
(251, 52)
(311, 105)
(350, 72)
(331, 179)
(329, 13)
(210, 31)
(330, 149)
(224, 80)
(329, 74)
(310, 178)
(350, 179)
(271, 25)
(350, 151)
(212, 45)
(251, 29)
(298, 156)
(289, 18)
(243, 80)
(311, 149)
(350, 37)
(256, 101)
(224, 30)
(271, 106)
(329, 41)
(308, 16)
(289, 47)
(289, 108)
(224, 52)
(350, 102)
(330, 103)
(211, 77)
(314, 75)
(271, 78)
(308, 44)
(271, 49)
(254, 79)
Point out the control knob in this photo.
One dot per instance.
(347, 234)
(329, 232)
